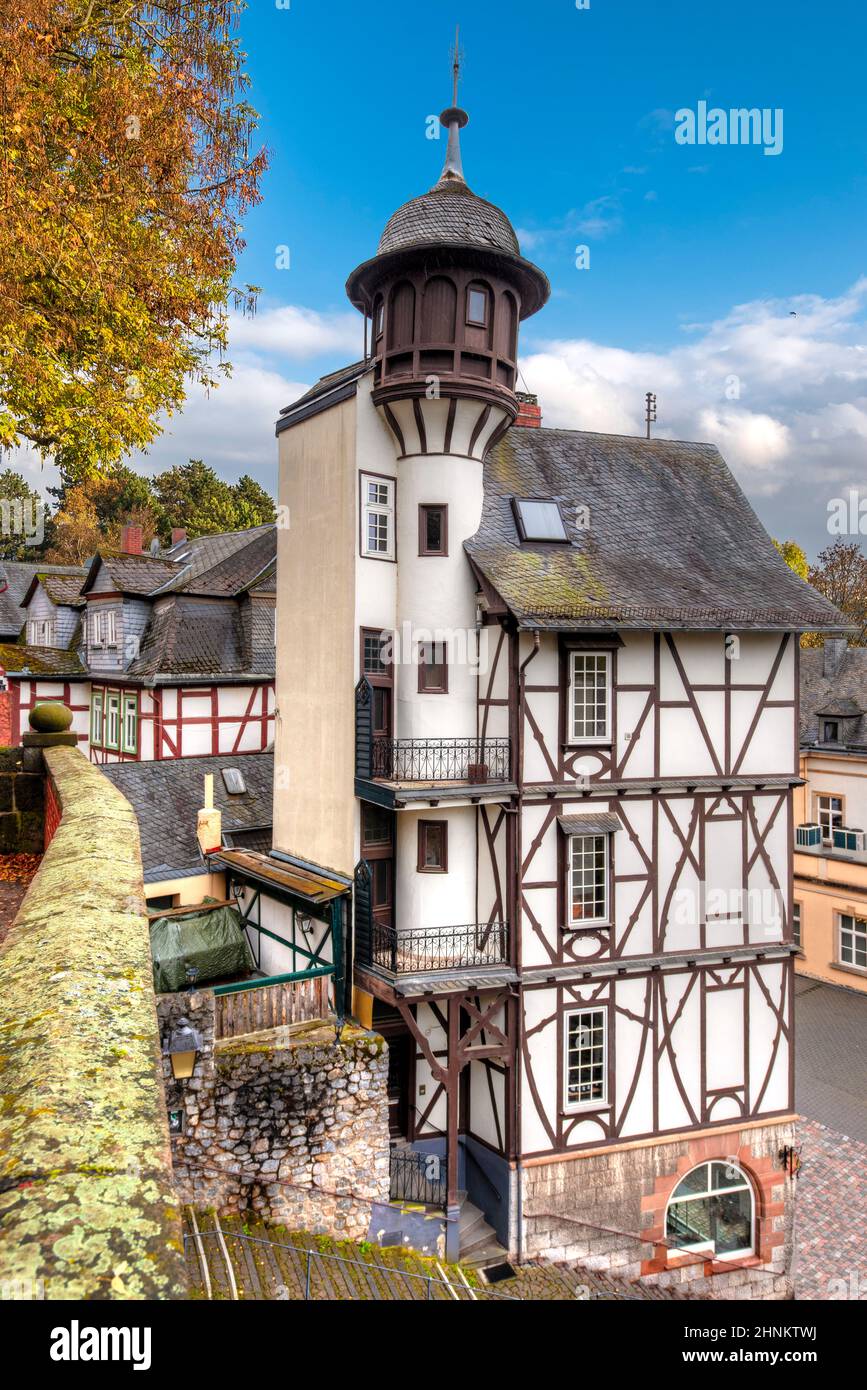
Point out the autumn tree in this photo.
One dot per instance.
(840, 573)
(794, 557)
(125, 167)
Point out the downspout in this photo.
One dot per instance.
(519, 859)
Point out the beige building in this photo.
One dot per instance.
(830, 861)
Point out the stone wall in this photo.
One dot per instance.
(21, 801)
(290, 1123)
(87, 1208)
(606, 1210)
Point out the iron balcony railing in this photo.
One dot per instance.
(441, 759)
(422, 949)
(417, 1177)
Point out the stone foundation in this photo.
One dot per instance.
(22, 801)
(289, 1124)
(605, 1209)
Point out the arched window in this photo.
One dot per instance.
(712, 1209)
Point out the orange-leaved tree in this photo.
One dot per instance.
(125, 166)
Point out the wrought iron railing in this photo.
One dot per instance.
(441, 759)
(417, 1177)
(421, 949)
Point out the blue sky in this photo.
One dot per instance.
(732, 283)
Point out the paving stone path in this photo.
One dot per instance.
(831, 1216)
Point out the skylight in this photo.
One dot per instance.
(233, 779)
(538, 520)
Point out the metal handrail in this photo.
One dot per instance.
(475, 760)
(391, 1275)
(403, 951)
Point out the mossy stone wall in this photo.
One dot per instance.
(22, 802)
(87, 1206)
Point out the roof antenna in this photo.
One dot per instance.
(454, 119)
(649, 410)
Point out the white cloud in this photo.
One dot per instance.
(780, 386)
(296, 332)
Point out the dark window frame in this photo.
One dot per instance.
(482, 290)
(422, 866)
(423, 668)
(524, 535)
(424, 508)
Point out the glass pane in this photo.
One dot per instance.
(478, 307)
(726, 1175)
(433, 847)
(690, 1223)
(732, 1222)
(696, 1181)
(541, 521)
(433, 529)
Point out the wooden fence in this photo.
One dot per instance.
(253, 1010)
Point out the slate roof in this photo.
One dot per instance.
(671, 539)
(166, 797)
(449, 214)
(192, 636)
(836, 696)
(63, 589)
(224, 569)
(18, 576)
(327, 391)
(20, 660)
(133, 574)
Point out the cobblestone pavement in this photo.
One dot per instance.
(831, 1216)
(831, 1056)
(831, 1094)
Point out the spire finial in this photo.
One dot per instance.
(454, 119)
(457, 58)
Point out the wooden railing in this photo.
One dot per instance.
(272, 1006)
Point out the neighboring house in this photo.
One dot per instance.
(167, 797)
(16, 582)
(162, 655)
(831, 816)
(572, 852)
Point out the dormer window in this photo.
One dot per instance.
(477, 306)
(539, 520)
(830, 731)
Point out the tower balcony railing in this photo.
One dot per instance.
(440, 759)
(421, 950)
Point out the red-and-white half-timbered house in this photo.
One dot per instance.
(543, 702)
(159, 655)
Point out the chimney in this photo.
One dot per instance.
(529, 411)
(179, 533)
(834, 651)
(209, 821)
(130, 539)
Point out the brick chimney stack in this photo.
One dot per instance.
(529, 411)
(179, 533)
(131, 539)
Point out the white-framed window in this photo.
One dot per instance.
(96, 712)
(96, 628)
(590, 697)
(853, 940)
(110, 628)
(713, 1209)
(586, 1069)
(32, 629)
(129, 726)
(112, 719)
(587, 880)
(377, 517)
(797, 924)
(47, 633)
(829, 814)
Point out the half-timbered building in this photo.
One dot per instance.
(159, 655)
(541, 700)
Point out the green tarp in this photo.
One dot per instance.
(213, 942)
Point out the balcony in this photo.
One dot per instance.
(430, 950)
(472, 760)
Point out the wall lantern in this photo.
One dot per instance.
(790, 1157)
(183, 1048)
